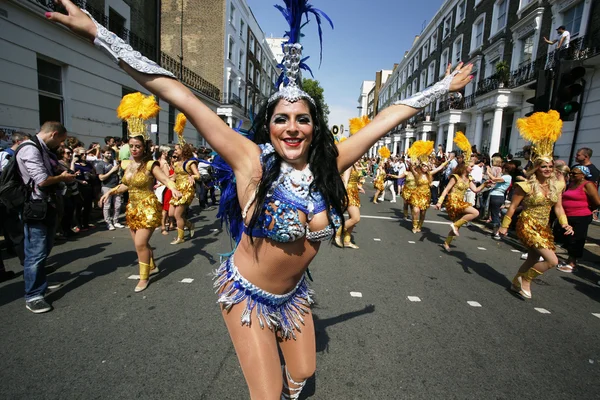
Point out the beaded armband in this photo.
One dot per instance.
(506, 221)
(429, 95)
(117, 49)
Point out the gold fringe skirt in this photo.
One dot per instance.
(187, 189)
(143, 211)
(378, 183)
(353, 199)
(533, 234)
(421, 197)
(456, 206)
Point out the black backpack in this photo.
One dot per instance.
(13, 191)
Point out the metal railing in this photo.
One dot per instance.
(232, 98)
(189, 77)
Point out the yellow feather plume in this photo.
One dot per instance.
(420, 151)
(463, 143)
(384, 152)
(180, 122)
(542, 130)
(356, 124)
(135, 108)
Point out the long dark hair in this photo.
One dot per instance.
(322, 158)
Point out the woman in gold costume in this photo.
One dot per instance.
(186, 175)
(420, 198)
(537, 195)
(143, 212)
(353, 179)
(378, 183)
(407, 190)
(459, 211)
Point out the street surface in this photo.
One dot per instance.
(419, 324)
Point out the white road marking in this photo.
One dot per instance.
(481, 248)
(591, 245)
(414, 298)
(402, 219)
(473, 304)
(134, 277)
(542, 310)
(516, 251)
(597, 315)
(86, 273)
(214, 230)
(377, 239)
(411, 242)
(356, 294)
(187, 280)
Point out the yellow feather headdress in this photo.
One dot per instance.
(542, 130)
(463, 143)
(180, 122)
(356, 124)
(384, 152)
(420, 151)
(136, 109)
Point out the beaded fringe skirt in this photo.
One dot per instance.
(283, 313)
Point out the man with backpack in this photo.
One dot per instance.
(34, 161)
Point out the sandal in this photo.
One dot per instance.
(565, 268)
(164, 232)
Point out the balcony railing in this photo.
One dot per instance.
(232, 98)
(455, 101)
(189, 77)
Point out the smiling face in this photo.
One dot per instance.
(291, 131)
(136, 147)
(545, 170)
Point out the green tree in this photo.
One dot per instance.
(314, 89)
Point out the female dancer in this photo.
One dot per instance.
(186, 175)
(410, 184)
(353, 181)
(378, 183)
(143, 212)
(287, 189)
(537, 195)
(420, 198)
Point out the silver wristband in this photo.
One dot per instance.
(429, 95)
(117, 50)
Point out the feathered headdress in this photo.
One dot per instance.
(463, 143)
(136, 109)
(356, 124)
(420, 151)
(180, 122)
(292, 61)
(384, 152)
(542, 130)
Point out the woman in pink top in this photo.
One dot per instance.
(580, 198)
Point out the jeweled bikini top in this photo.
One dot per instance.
(290, 194)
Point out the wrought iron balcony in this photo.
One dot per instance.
(189, 77)
(455, 101)
(232, 98)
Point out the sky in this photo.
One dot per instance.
(368, 36)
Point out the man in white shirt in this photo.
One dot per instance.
(564, 39)
(477, 176)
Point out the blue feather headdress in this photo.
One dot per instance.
(293, 62)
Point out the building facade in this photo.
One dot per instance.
(503, 39)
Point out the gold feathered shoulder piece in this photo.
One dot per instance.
(463, 143)
(356, 124)
(542, 129)
(180, 123)
(136, 109)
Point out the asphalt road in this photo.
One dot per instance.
(427, 324)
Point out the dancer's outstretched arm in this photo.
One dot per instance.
(358, 144)
(238, 151)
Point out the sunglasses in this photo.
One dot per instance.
(575, 173)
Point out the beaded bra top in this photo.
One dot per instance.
(289, 195)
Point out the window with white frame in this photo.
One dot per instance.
(258, 54)
(230, 49)
(409, 90)
(477, 33)
(240, 91)
(461, 11)
(572, 19)
(499, 16)
(50, 91)
(252, 44)
(434, 40)
(490, 68)
(242, 26)
(525, 3)
(241, 60)
(232, 14)
(431, 72)
(415, 88)
(447, 26)
(444, 61)
(250, 71)
(457, 50)
(423, 79)
(416, 62)
(526, 49)
(425, 52)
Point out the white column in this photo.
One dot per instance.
(450, 137)
(424, 136)
(478, 130)
(440, 135)
(406, 145)
(496, 131)
(230, 122)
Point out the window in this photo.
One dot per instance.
(240, 91)
(425, 52)
(526, 50)
(444, 61)
(252, 44)
(241, 60)
(171, 132)
(242, 25)
(434, 40)
(572, 19)
(431, 77)
(477, 33)
(232, 14)
(415, 88)
(447, 25)
(116, 23)
(423, 79)
(500, 13)
(524, 3)
(50, 91)
(460, 11)
(457, 50)
(258, 54)
(230, 50)
(491, 67)
(250, 71)
(416, 63)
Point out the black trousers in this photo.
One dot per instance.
(14, 234)
(574, 243)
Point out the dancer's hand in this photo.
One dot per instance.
(568, 229)
(104, 198)
(76, 20)
(438, 206)
(503, 231)
(176, 193)
(462, 78)
(192, 180)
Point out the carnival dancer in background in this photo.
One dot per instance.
(410, 184)
(538, 194)
(143, 212)
(284, 195)
(421, 195)
(379, 181)
(186, 176)
(459, 211)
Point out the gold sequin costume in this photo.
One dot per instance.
(533, 227)
(455, 202)
(182, 181)
(352, 188)
(409, 186)
(143, 209)
(421, 196)
(379, 179)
